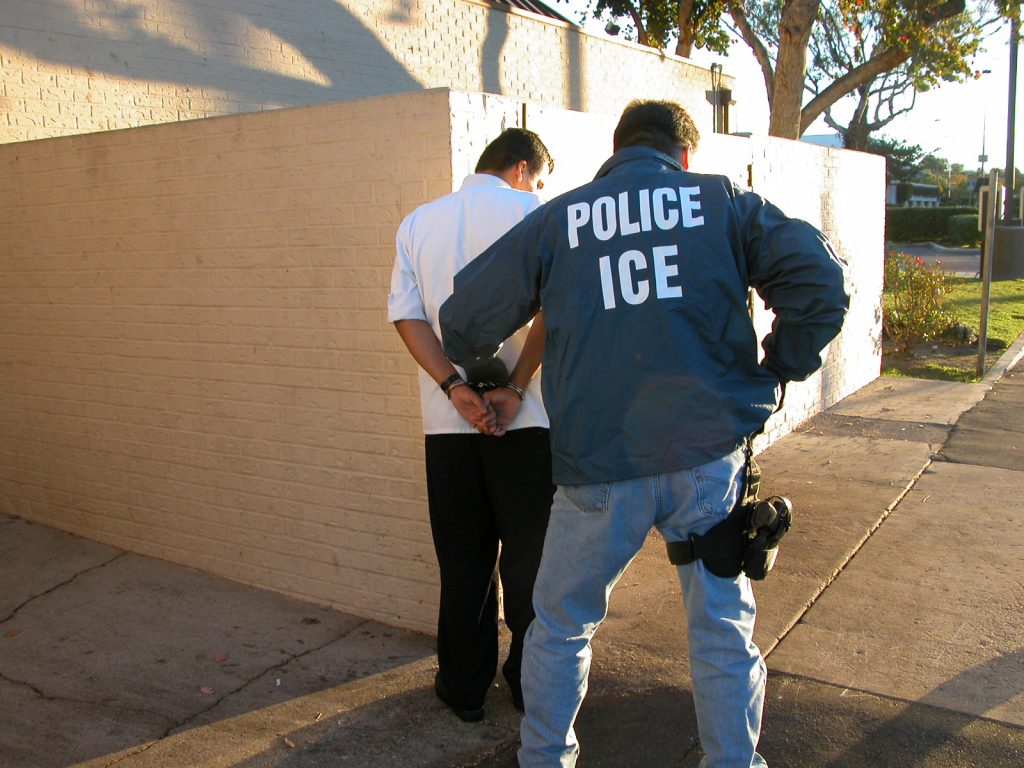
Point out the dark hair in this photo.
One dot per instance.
(513, 146)
(661, 125)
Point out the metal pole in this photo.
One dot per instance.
(1009, 177)
(986, 268)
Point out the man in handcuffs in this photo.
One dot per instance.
(487, 449)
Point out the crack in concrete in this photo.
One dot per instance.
(947, 432)
(28, 685)
(64, 583)
(849, 558)
(267, 671)
(922, 431)
(192, 718)
(847, 689)
(85, 702)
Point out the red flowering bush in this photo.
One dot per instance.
(912, 304)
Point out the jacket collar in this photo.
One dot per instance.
(643, 155)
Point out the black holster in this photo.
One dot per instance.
(747, 540)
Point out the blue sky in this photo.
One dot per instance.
(949, 121)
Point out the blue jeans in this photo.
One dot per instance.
(594, 532)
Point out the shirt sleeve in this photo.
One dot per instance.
(495, 295)
(405, 301)
(797, 272)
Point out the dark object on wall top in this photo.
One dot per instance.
(534, 6)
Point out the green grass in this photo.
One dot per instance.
(926, 370)
(1005, 324)
(1006, 306)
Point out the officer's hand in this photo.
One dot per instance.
(506, 403)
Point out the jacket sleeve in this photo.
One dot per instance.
(494, 295)
(796, 271)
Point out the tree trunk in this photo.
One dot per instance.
(798, 18)
(856, 134)
(684, 46)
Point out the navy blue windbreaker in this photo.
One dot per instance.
(651, 362)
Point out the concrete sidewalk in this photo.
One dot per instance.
(893, 628)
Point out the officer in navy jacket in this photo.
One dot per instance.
(652, 382)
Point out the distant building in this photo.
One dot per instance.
(912, 194)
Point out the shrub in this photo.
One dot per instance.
(963, 229)
(912, 310)
(914, 225)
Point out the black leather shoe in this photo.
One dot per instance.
(517, 694)
(466, 715)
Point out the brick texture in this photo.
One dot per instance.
(841, 193)
(194, 357)
(195, 362)
(78, 66)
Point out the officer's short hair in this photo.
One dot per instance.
(512, 146)
(661, 125)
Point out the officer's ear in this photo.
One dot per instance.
(684, 158)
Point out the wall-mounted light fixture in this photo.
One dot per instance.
(720, 99)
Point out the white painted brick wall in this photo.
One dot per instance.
(76, 66)
(838, 191)
(195, 362)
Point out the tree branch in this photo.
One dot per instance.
(739, 17)
(638, 22)
(881, 62)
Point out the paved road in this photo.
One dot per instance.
(961, 261)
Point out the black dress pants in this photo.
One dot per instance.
(484, 490)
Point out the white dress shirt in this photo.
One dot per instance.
(433, 243)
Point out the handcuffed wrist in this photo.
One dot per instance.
(455, 380)
(516, 389)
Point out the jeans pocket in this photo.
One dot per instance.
(588, 498)
(718, 484)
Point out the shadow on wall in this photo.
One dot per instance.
(285, 54)
(493, 77)
(347, 56)
(490, 55)
(574, 88)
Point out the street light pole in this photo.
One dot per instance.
(1010, 174)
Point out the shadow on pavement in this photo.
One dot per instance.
(817, 724)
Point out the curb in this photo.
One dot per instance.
(1006, 361)
(962, 250)
(936, 248)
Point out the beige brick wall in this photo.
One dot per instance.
(194, 357)
(75, 66)
(195, 362)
